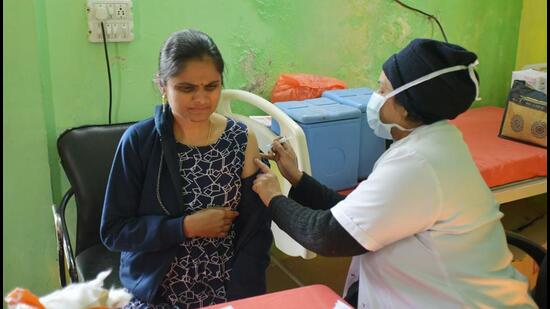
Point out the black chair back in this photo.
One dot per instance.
(540, 293)
(86, 155)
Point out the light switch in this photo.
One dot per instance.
(117, 19)
(111, 9)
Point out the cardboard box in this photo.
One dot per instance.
(525, 115)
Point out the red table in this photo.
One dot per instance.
(316, 296)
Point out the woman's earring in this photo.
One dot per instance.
(163, 103)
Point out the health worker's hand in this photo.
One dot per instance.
(286, 159)
(266, 184)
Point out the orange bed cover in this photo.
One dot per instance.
(500, 161)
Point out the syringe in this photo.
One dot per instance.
(280, 140)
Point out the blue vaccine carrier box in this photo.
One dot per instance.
(371, 146)
(332, 135)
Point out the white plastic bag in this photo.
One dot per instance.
(86, 295)
(533, 78)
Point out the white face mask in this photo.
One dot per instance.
(377, 100)
(381, 129)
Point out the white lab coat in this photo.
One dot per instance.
(433, 227)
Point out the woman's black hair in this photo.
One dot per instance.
(183, 46)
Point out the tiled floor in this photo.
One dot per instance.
(287, 272)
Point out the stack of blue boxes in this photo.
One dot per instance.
(342, 148)
(371, 145)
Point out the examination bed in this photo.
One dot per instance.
(511, 169)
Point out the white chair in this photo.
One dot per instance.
(265, 136)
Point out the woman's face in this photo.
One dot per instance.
(194, 93)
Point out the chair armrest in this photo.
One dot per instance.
(60, 247)
(536, 251)
(65, 250)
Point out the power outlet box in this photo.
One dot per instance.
(117, 19)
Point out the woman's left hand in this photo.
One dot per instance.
(266, 184)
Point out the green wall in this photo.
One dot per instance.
(55, 79)
(28, 241)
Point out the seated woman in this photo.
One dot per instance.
(179, 204)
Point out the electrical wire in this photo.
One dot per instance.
(108, 71)
(424, 13)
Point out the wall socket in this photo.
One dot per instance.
(117, 19)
